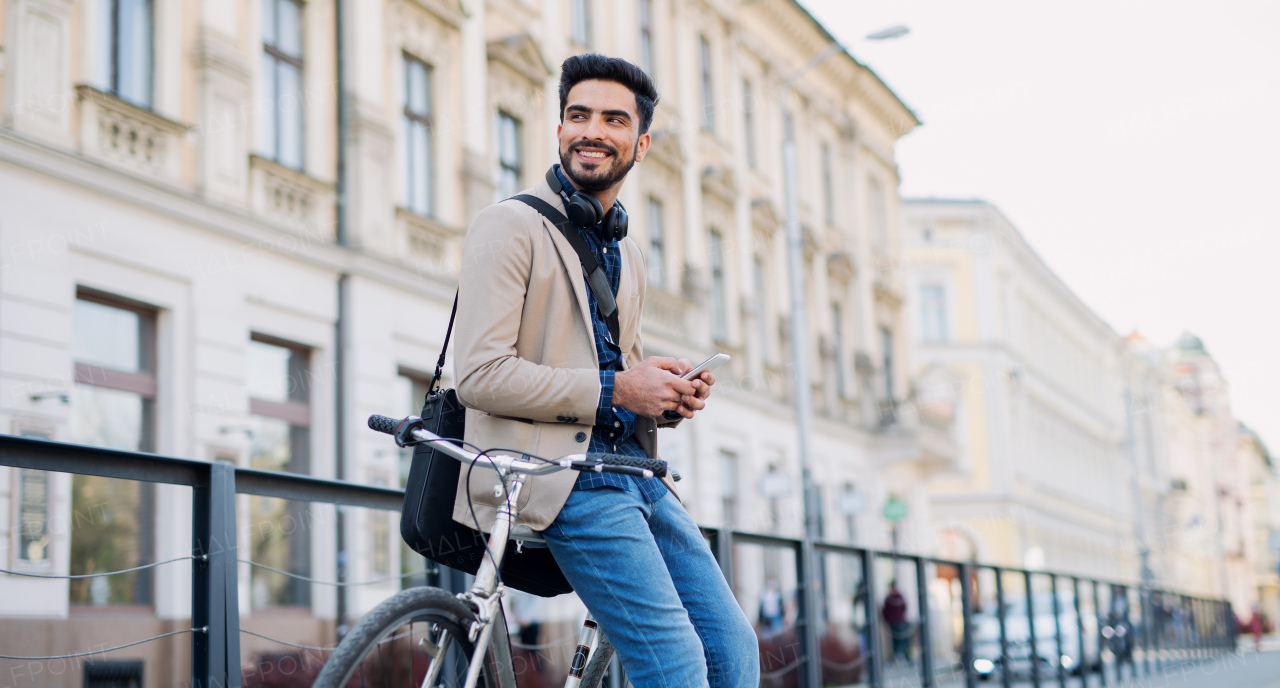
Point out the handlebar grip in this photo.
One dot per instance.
(658, 466)
(383, 424)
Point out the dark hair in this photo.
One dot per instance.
(595, 66)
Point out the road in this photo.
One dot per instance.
(1247, 669)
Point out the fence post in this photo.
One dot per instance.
(1084, 655)
(966, 617)
(215, 653)
(1103, 618)
(875, 665)
(809, 613)
(1057, 630)
(1034, 655)
(922, 600)
(1006, 680)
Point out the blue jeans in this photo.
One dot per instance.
(647, 575)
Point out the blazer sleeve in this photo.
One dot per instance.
(497, 255)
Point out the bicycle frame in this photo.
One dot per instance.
(485, 594)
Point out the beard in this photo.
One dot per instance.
(597, 177)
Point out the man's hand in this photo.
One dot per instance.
(702, 390)
(654, 386)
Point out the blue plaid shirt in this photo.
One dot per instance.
(614, 431)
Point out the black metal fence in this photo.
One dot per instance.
(839, 624)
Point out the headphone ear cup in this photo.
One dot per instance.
(615, 223)
(585, 209)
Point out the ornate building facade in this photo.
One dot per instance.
(230, 231)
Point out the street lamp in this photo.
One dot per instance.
(889, 33)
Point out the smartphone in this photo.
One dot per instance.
(707, 365)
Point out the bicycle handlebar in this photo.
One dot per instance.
(601, 463)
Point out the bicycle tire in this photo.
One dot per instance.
(370, 652)
(597, 664)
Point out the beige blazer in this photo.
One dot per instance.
(524, 354)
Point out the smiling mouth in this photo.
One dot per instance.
(591, 155)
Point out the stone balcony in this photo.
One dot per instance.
(125, 135)
(291, 199)
(431, 246)
(666, 314)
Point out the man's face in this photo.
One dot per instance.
(600, 135)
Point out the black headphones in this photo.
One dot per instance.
(587, 211)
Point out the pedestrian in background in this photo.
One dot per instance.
(894, 612)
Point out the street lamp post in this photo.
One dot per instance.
(800, 367)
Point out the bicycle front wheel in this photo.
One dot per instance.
(396, 643)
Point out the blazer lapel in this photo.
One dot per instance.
(568, 256)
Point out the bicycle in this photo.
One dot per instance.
(464, 636)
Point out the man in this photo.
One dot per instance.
(895, 614)
(540, 372)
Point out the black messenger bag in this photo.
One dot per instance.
(426, 520)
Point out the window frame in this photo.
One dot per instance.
(298, 63)
(719, 286)
(828, 185)
(113, 52)
(644, 8)
(657, 243)
(410, 119)
(141, 382)
(933, 311)
(708, 85)
(296, 413)
(580, 22)
(515, 168)
(749, 125)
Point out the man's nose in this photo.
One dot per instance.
(594, 130)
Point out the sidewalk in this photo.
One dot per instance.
(1246, 669)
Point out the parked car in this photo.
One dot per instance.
(1073, 658)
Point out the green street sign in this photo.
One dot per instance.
(895, 510)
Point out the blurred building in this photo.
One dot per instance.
(1080, 451)
(205, 256)
(1264, 502)
(1035, 381)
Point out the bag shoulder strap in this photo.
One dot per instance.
(444, 348)
(606, 304)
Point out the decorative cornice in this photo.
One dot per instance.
(450, 12)
(521, 53)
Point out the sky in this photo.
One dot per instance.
(1134, 143)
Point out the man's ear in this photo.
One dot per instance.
(642, 146)
(558, 128)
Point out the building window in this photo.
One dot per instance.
(828, 192)
(508, 156)
(580, 22)
(279, 385)
(112, 405)
(282, 98)
(657, 245)
(708, 98)
(933, 313)
(837, 345)
(879, 213)
(719, 302)
(762, 307)
(125, 42)
(417, 172)
(748, 123)
(886, 352)
(646, 35)
(728, 488)
(32, 495)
